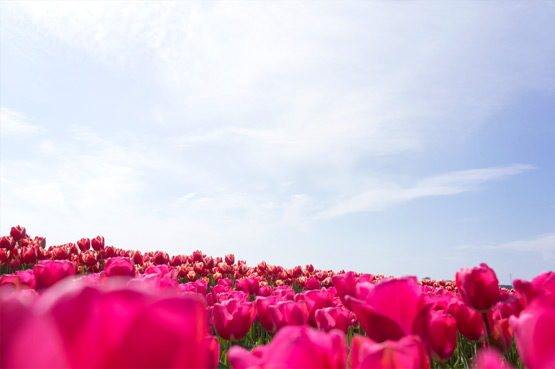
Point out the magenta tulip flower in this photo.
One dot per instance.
(289, 313)
(478, 287)
(212, 349)
(96, 327)
(469, 322)
(442, 335)
(233, 318)
(534, 334)
(119, 266)
(312, 284)
(299, 347)
(49, 272)
(333, 318)
(265, 317)
(409, 352)
(490, 359)
(346, 286)
(392, 309)
(316, 299)
(542, 285)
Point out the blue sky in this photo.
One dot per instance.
(382, 137)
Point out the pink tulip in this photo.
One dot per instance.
(312, 284)
(295, 347)
(199, 287)
(346, 286)
(392, 309)
(119, 266)
(92, 327)
(316, 299)
(508, 305)
(502, 335)
(469, 322)
(265, 291)
(26, 277)
(479, 287)
(265, 317)
(248, 285)
(542, 285)
(333, 318)
(233, 318)
(49, 272)
(288, 313)
(212, 349)
(534, 333)
(490, 359)
(285, 291)
(442, 335)
(409, 352)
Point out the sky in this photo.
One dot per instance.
(395, 138)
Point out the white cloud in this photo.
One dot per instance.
(544, 243)
(297, 83)
(385, 195)
(13, 123)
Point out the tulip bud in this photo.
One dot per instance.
(7, 243)
(89, 258)
(192, 276)
(98, 243)
(160, 257)
(28, 255)
(4, 255)
(479, 287)
(230, 259)
(18, 233)
(138, 258)
(84, 244)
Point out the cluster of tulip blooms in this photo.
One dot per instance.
(91, 305)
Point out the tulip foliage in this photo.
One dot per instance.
(88, 304)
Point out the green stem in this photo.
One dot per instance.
(488, 331)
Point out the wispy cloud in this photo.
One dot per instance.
(13, 123)
(544, 244)
(387, 195)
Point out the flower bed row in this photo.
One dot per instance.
(91, 305)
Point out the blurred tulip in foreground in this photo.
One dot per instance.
(490, 359)
(408, 352)
(534, 333)
(333, 318)
(49, 272)
(85, 326)
(119, 266)
(295, 347)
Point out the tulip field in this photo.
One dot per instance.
(89, 305)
